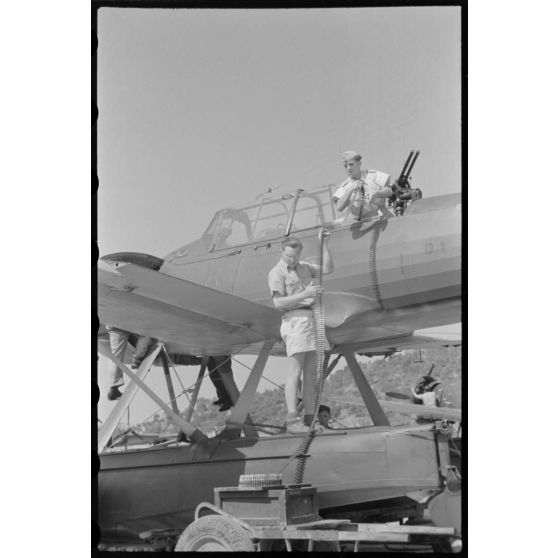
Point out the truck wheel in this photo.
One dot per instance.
(215, 533)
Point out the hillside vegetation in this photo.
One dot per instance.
(397, 374)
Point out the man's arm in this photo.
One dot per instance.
(385, 192)
(291, 301)
(342, 201)
(281, 300)
(382, 181)
(328, 260)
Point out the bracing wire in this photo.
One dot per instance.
(185, 390)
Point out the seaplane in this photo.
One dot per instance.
(209, 297)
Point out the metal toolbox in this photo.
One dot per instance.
(269, 506)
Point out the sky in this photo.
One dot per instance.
(202, 109)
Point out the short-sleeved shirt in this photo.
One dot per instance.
(298, 326)
(287, 281)
(372, 181)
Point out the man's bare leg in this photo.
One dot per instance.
(296, 364)
(309, 386)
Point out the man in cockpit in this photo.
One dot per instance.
(364, 192)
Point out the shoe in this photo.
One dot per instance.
(225, 406)
(136, 361)
(114, 394)
(297, 427)
(218, 402)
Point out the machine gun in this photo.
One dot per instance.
(402, 191)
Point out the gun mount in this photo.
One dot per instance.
(403, 193)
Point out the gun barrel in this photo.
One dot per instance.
(402, 175)
(412, 165)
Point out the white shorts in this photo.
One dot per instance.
(298, 331)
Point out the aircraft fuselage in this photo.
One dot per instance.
(409, 266)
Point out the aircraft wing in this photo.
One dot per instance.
(408, 408)
(200, 320)
(388, 345)
(197, 320)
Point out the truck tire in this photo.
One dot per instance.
(215, 533)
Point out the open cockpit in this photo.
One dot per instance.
(271, 218)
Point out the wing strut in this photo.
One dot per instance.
(232, 390)
(327, 372)
(168, 379)
(197, 387)
(377, 414)
(239, 412)
(190, 431)
(123, 403)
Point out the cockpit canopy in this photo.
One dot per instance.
(269, 219)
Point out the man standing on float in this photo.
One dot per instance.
(293, 292)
